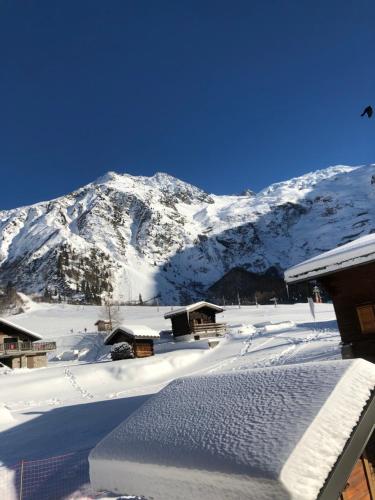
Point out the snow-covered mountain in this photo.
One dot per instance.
(129, 235)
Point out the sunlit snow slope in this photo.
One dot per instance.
(161, 236)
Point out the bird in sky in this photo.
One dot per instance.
(367, 111)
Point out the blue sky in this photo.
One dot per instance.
(223, 94)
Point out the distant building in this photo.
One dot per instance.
(197, 319)
(347, 273)
(140, 337)
(103, 325)
(20, 348)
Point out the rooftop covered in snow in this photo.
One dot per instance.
(21, 329)
(355, 253)
(134, 331)
(273, 433)
(193, 307)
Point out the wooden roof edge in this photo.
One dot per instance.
(357, 442)
(126, 331)
(21, 329)
(317, 274)
(193, 307)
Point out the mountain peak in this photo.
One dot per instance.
(109, 176)
(163, 176)
(127, 235)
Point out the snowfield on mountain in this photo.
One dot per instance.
(160, 236)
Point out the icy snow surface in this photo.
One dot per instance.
(356, 252)
(272, 433)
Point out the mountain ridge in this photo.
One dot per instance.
(125, 236)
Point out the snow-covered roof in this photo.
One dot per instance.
(193, 307)
(20, 328)
(135, 331)
(357, 252)
(271, 433)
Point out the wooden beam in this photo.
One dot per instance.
(369, 476)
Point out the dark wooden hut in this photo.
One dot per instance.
(347, 274)
(197, 319)
(103, 325)
(140, 337)
(21, 348)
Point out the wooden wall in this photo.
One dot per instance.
(143, 348)
(360, 484)
(205, 314)
(25, 361)
(9, 331)
(37, 361)
(349, 289)
(180, 325)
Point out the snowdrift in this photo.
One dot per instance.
(262, 434)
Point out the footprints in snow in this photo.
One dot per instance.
(85, 394)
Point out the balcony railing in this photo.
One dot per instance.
(209, 329)
(22, 347)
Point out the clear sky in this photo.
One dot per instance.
(226, 95)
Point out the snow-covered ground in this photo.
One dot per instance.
(82, 395)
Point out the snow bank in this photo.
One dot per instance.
(58, 384)
(272, 433)
(6, 418)
(278, 327)
(66, 355)
(8, 489)
(242, 329)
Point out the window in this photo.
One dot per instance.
(366, 316)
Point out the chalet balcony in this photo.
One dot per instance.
(209, 330)
(26, 347)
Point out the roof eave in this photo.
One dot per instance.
(33, 335)
(136, 337)
(307, 276)
(337, 479)
(214, 307)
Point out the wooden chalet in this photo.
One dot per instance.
(20, 348)
(140, 337)
(347, 273)
(103, 325)
(198, 320)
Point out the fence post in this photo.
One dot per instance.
(21, 481)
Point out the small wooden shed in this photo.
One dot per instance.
(103, 325)
(140, 337)
(198, 319)
(347, 273)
